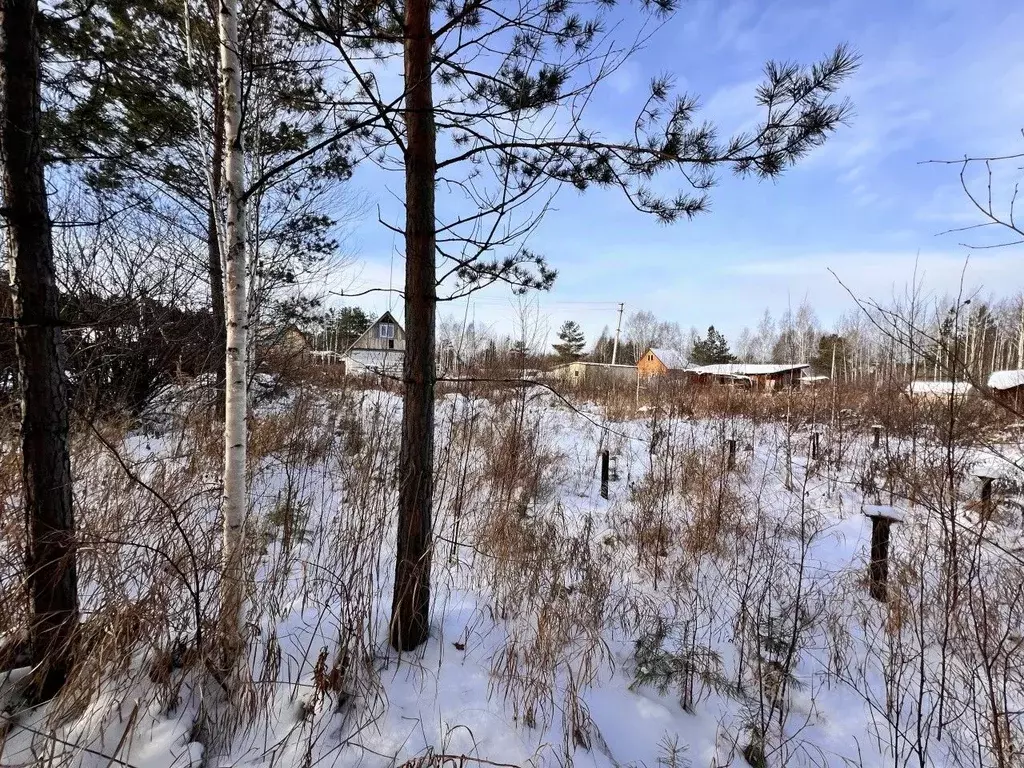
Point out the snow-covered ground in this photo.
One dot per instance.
(701, 615)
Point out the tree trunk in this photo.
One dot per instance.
(1020, 337)
(411, 600)
(46, 471)
(214, 268)
(235, 396)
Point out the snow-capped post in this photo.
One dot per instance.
(604, 474)
(882, 517)
(232, 589)
(731, 461)
(877, 430)
(814, 445)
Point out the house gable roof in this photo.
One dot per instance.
(387, 317)
(669, 358)
(281, 334)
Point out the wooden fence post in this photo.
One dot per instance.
(882, 518)
(987, 506)
(814, 445)
(604, 474)
(731, 461)
(877, 429)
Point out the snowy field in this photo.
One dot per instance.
(702, 615)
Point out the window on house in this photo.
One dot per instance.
(391, 343)
(386, 330)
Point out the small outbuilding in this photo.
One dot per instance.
(1008, 388)
(288, 342)
(766, 377)
(581, 372)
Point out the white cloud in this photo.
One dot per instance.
(828, 279)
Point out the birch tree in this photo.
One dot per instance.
(50, 569)
(236, 312)
(136, 118)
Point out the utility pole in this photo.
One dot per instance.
(618, 328)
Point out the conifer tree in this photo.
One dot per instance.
(572, 341)
(831, 356)
(51, 572)
(711, 349)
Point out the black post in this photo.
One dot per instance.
(986, 498)
(604, 474)
(877, 429)
(731, 462)
(453, 556)
(879, 568)
(814, 445)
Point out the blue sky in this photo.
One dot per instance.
(939, 79)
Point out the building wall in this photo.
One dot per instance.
(650, 365)
(291, 342)
(777, 381)
(1011, 398)
(758, 382)
(581, 372)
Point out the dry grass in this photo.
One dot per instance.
(708, 555)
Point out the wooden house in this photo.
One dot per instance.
(288, 342)
(661, 362)
(1008, 388)
(380, 349)
(383, 333)
(765, 377)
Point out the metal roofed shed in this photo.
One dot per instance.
(768, 377)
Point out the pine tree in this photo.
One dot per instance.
(50, 574)
(342, 327)
(831, 347)
(572, 341)
(712, 349)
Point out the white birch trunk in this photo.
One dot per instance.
(236, 300)
(995, 348)
(1020, 338)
